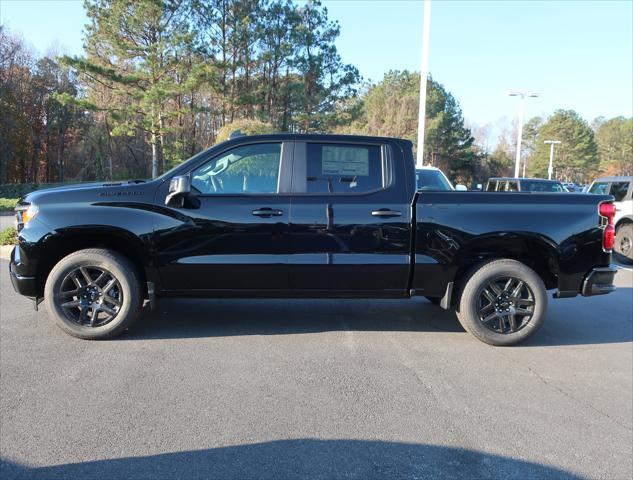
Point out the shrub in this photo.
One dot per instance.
(7, 204)
(9, 236)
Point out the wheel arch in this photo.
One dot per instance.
(624, 221)
(66, 241)
(538, 252)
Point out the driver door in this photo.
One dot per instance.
(236, 237)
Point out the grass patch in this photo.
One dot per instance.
(7, 204)
(9, 236)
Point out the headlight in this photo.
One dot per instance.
(25, 215)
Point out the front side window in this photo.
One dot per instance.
(342, 168)
(513, 187)
(249, 169)
(600, 188)
(492, 186)
(619, 190)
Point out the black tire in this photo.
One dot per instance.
(624, 243)
(122, 298)
(490, 320)
(434, 300)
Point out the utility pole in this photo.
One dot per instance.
(551, 144)
(424, 73)
(521, 95)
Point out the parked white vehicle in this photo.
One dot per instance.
(432, 178)
(622, 189)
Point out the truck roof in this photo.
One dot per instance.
(322, 137)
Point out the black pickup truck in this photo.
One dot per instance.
(308, 216)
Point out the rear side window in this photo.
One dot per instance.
(513, 186)
(492, 186)
(343, 168)
(600, 188)
(619, 190)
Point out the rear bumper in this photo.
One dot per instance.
(22, 284)
(599, 281)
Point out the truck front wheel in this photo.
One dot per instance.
(93, 293)
(503, 302)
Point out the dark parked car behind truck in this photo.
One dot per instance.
(308, 216)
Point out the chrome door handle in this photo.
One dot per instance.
(384, 212)
(267, 212)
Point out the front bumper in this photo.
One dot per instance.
(22, 284)
(599, 281)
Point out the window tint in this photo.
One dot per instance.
(247, 169)
(338, 168)
(540, 186)
(618, 190)
(513, 186)
(492, 185)
(599, 188)
(432, 180)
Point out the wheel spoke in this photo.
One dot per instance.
(108, 310)
(75, 279)
(493, 286)
(69, 293)
(490, 317)
(522, 301)
(491, 298)
(100, 278)
(513, 323)
(86, 275)
(83, 314)
(94, 316)
(517, 290)
(524, 312)
(508, 284)
(112, 300)
(109, 285)
(486, 309)
(71, 304)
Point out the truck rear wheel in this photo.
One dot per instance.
(503, 302)
(93, 294)
(624, 243)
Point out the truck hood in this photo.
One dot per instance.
(94, 191)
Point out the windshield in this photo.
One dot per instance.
(541, 186)
(432, 180)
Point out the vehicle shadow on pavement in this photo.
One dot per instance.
(192, 318)
(300, 458)
(576, 321)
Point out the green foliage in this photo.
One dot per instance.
(9, 236)
(7, 204)
(390, 108)
(576, 158)
(246, 127)
(499, 163)
(615, 146)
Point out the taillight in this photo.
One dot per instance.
(608, 239)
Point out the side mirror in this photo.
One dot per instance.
(179, 188)
(461, 188)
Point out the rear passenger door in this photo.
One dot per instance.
(349, 219)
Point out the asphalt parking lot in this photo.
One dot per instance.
(317, 389)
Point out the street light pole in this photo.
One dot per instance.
(551, 144)
(424, 73)
(521, 95)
